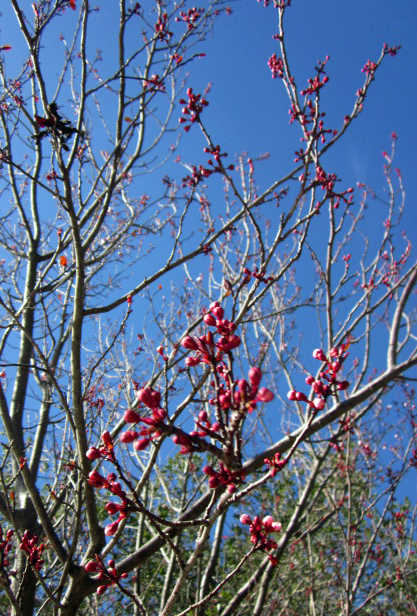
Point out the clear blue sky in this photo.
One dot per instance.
(249, 110)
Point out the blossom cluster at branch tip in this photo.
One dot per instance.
(225, 477)
(319, 80)
(275, 464)
(207, 350)
(29, 544)
(199, 173)
(259, 530)
(154, 83)
(190, 17)
(327, 182)
(328, 383)
(154, 425)
(258, 275)
(193, 109)
(161, 28)
(277, 66)
(108, 575)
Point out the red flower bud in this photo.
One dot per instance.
(343, 385)
(264, 395)
(129, 436)
(96, 480)
(130, 416)
(189, 343)
(111, 508)
(159, 414)
(319, 354)
(229, 342)
(209, 320)
(300, 396)
(141, 444)
(255, 375)
(149, 398)
(111, 529)
(93, 453)
(191, 361)
(116, 489)
(107, 439)
(213, 482)
(242, 385)
(319, 404)
(317, 387)
(218, 312)
(91, 567)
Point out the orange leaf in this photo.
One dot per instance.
(63, 261)
(127, 119)
(5, 48)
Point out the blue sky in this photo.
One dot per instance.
(250, 110)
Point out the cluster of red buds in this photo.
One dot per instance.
(155, 424)
(275, 464)
(369, 68)
(197, 175)
(259, 275)
(224, 477)
(30, 545)
(5, 547)
(392, 51)
(248, 394)
(106, 451)
(327, 183)
(190, 17)
(193, 109)
(319, 80)
(400, 519)
(328, 383)
(161, 28)
(207, 350)
(108, 575)
(200, 172)
(109, 483)
(154, 83)
(259, 530)
(277, 67)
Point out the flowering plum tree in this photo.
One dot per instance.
(200, 376)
